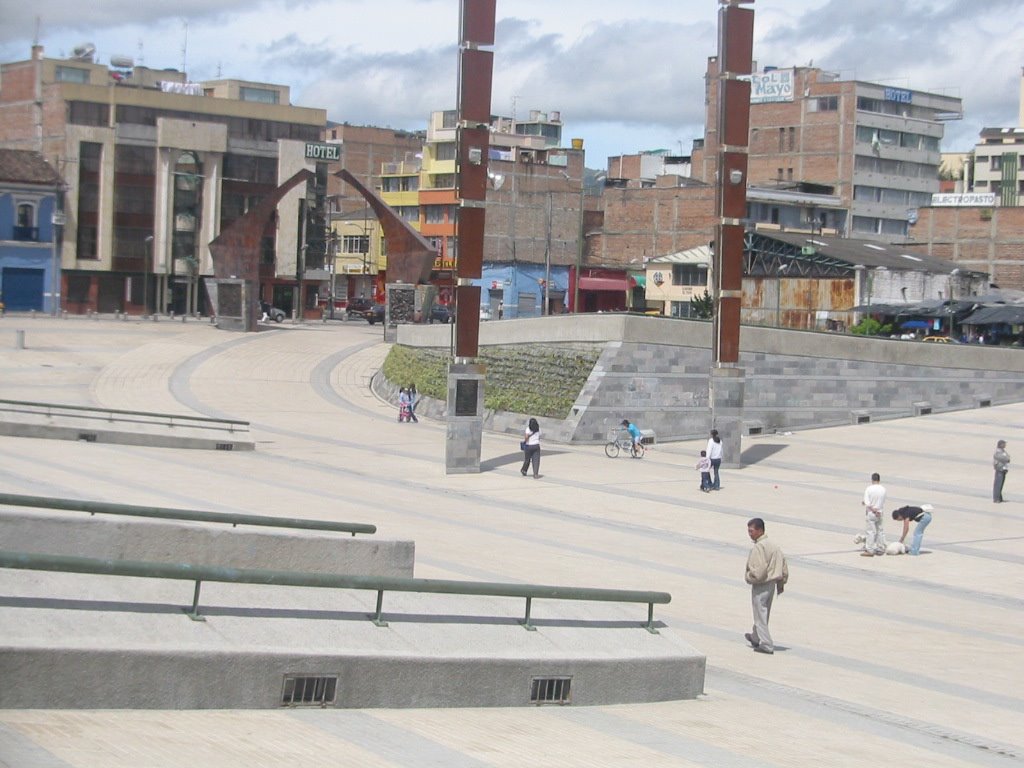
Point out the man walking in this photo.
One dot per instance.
(767, 572)
(874, 500)
(1001, 464)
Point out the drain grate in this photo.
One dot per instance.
(309, 690)
(88, 437)
(550, 690)
(225, 446)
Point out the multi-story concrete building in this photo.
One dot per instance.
(534, 210)
(875, 147)
(999, 165)
(29, 188)
(154, 167)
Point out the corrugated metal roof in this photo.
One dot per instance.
(699, 255)
(867, 253)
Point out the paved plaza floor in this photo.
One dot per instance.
(896, 661)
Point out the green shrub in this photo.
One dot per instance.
(539, 380)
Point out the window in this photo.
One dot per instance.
(824, 104)
(445, 151)
(782, 141)
(72, 75)
(792, 144)
(25, 229)
(260, 95)
(434, 214)
(87, 113)
(997, 163)
(90, 155)
(689, 274)
(355, 244)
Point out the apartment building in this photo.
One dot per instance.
(154, 166)
(534, 210)
(876, 147)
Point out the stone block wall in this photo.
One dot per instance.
(655, 372)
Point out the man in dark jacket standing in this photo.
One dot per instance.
(767, 572)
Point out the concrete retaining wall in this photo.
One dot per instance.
(655, 372)
(209, 544)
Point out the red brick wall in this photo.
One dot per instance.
(982, 239)
(643, 223)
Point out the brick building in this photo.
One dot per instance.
(876, 147)
(979, 238)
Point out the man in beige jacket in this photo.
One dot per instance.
(767, 572)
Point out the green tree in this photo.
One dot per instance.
(702, 307)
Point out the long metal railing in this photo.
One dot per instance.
(196, 515)
(379, 584)
(115, 415)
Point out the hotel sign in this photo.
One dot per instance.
(983, 199)
(900, 95)
(775, 85)
(330, 153)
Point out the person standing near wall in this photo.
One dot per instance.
(714, 450)
(874, 500)
(1001, 464)
(767, 573)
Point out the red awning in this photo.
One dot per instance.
(604, 284)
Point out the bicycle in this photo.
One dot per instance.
(621, 440)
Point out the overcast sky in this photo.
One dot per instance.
(626, 75)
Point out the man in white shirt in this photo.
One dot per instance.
(874, 500)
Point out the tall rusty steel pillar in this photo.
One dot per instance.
(465, 375)
(726, 383)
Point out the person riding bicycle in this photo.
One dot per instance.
(634, 433)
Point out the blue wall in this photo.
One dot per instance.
(508, 281)
(27, 254)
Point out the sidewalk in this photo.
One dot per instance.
(896, 661)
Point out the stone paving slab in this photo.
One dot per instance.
(895, 660)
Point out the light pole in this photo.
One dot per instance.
(547, 261)
(145, 275)
(58, 220)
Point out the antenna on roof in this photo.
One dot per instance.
(184, 48)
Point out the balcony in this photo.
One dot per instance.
(26, 234)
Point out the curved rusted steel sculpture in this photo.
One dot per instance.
(236, 250)
(410, 256)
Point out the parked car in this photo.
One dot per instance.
(358, 307)
(441, 313)
(273, 313)
(375, 314)
(940, 339)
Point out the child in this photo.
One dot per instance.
(704, 467)
(404, 405)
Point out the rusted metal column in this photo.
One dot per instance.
(735, 52)
(466, 377)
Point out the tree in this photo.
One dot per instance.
(702, 307)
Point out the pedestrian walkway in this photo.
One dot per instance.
(897, 661)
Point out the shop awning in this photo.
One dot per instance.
(638, 281)
(604, 284)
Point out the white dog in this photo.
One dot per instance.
(896, 548)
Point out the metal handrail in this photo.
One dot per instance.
(116, 414)
(196, 515)
(380, 584)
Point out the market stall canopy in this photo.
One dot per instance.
(1012, 314)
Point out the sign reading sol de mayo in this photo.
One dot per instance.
(984, 199)
(323, 151)
(773, 85)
